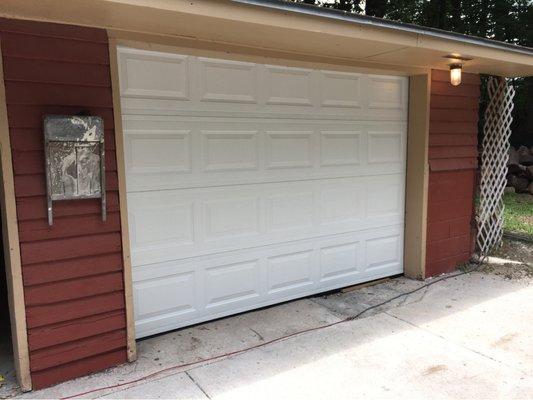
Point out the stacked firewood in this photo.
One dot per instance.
(520, 170)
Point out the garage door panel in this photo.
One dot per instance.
(163, 83)
(233, 283)
(158, 107)
(340, 261)
(178, 290)
(290, 273)
(288, 86)
(227, 81)
(342, 204)
(385, 196)
(384, 253)
(176, 224)
(385, 147)
(289, 149)
(234, 216)
(214, 153)
(341, 147)
(290, 211)
(173, 149)
(340, 90)
(146, 75)
(229, 150)
(386, 92)
(258, 277)
(250, 184)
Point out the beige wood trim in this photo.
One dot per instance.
(416, 187)
(10, 234)
(121, 169)
(194, 47)
(230, 23)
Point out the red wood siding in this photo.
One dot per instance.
(452, 166)
(72, 271)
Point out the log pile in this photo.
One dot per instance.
(520, 170)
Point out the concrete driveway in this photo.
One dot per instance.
(468, 337)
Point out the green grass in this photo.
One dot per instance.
(518, 215)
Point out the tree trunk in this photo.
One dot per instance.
(442, 14)
(376, 8)
(457, 23)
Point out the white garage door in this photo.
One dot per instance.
(252, 184)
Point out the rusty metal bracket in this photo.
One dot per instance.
(75, 160)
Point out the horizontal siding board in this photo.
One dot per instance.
(453, 128)
(75, 369)
(460, 227)
(59, 312)
(452, 164)
(447, 264)
(438, 231)
(449, 247)
(450, 210)
(55, 292)
(70, 32)
(30, 208)
(446, 115)
(448, 229)
(38, 229)
(54, 271)
(63, 332)
(65, 248)
(31, 116)
(454, 102)
(451, 189)
(449, 192)
(451, 140)
(446, 89)
(53, 48)
(78, 350)
(453, 176)
(31, 93)
(452, 152)
(46, 71)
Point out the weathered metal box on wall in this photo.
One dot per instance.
(75, 167)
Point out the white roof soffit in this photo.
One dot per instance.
(276, 27)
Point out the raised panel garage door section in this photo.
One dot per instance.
(252, 184)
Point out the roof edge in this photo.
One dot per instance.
(345, 16)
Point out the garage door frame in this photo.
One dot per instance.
(416, 173)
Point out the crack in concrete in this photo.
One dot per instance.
(424, 294)
(197, 384)
(261, 338)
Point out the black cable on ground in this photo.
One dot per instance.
(518, 236)
(179, 368)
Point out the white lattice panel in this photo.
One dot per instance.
(494, 157)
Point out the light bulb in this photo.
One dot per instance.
(455, 74)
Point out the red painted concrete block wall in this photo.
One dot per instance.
(452, 165)
(72, 271)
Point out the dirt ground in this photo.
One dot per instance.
(513, 250)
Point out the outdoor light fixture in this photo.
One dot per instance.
(455, 74)
(456, 62)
